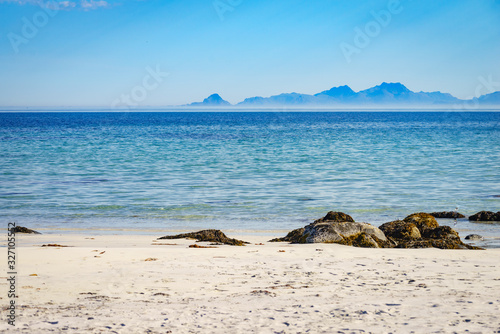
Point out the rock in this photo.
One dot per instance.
(474, 237)
(442, 232)
(421, 230)
(291, 236)
(338, 227)
(208, 235)
(345, 233)
(335, 232)
(443, 237)
(423, 221)
(333, 216)
(20, 229)
(363, 240)
(485, 216)
(331, 228)
(447, 214)
(400, 229)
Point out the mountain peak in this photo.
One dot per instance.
(340, 91)
(215, 99)
(492, 98)
(212, 100)
(386, 92)
(393, 87)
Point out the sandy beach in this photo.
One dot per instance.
(137, 284)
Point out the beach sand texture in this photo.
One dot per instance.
(135, 284)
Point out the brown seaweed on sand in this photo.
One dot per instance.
(55, 245)
(198, 246)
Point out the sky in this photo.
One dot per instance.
(83, 53)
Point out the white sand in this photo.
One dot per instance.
(307, 288)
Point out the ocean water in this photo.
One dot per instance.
(246, 171)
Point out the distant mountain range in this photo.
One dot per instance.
(395, 94)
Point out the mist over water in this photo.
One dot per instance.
(244, 170)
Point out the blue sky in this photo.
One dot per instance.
(91, 53)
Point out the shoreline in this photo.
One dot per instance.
(124, 283)
(149, 232)
(491, 241)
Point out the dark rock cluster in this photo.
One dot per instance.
(421, 230)
(215, 236)
(486, 216)
(447, 214)
(418, 230)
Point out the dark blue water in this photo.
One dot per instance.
(244, 170)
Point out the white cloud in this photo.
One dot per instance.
(92, 4)
(67, 4)
(63, 5)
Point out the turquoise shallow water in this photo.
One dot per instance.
(244, 170)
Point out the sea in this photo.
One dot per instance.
(258, 172)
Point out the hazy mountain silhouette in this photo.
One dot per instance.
(212, 100)
(489, 99)
(388, 93)
(383, 94)
(282, 99)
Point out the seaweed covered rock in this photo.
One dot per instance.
(364, 240)
(485, 216)
(403, 234)
(400, 229)
(447, 214)
(292, 236)
(423, 221)
(442, 233)
(208, 235)
(334, 216)
(21, 229)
